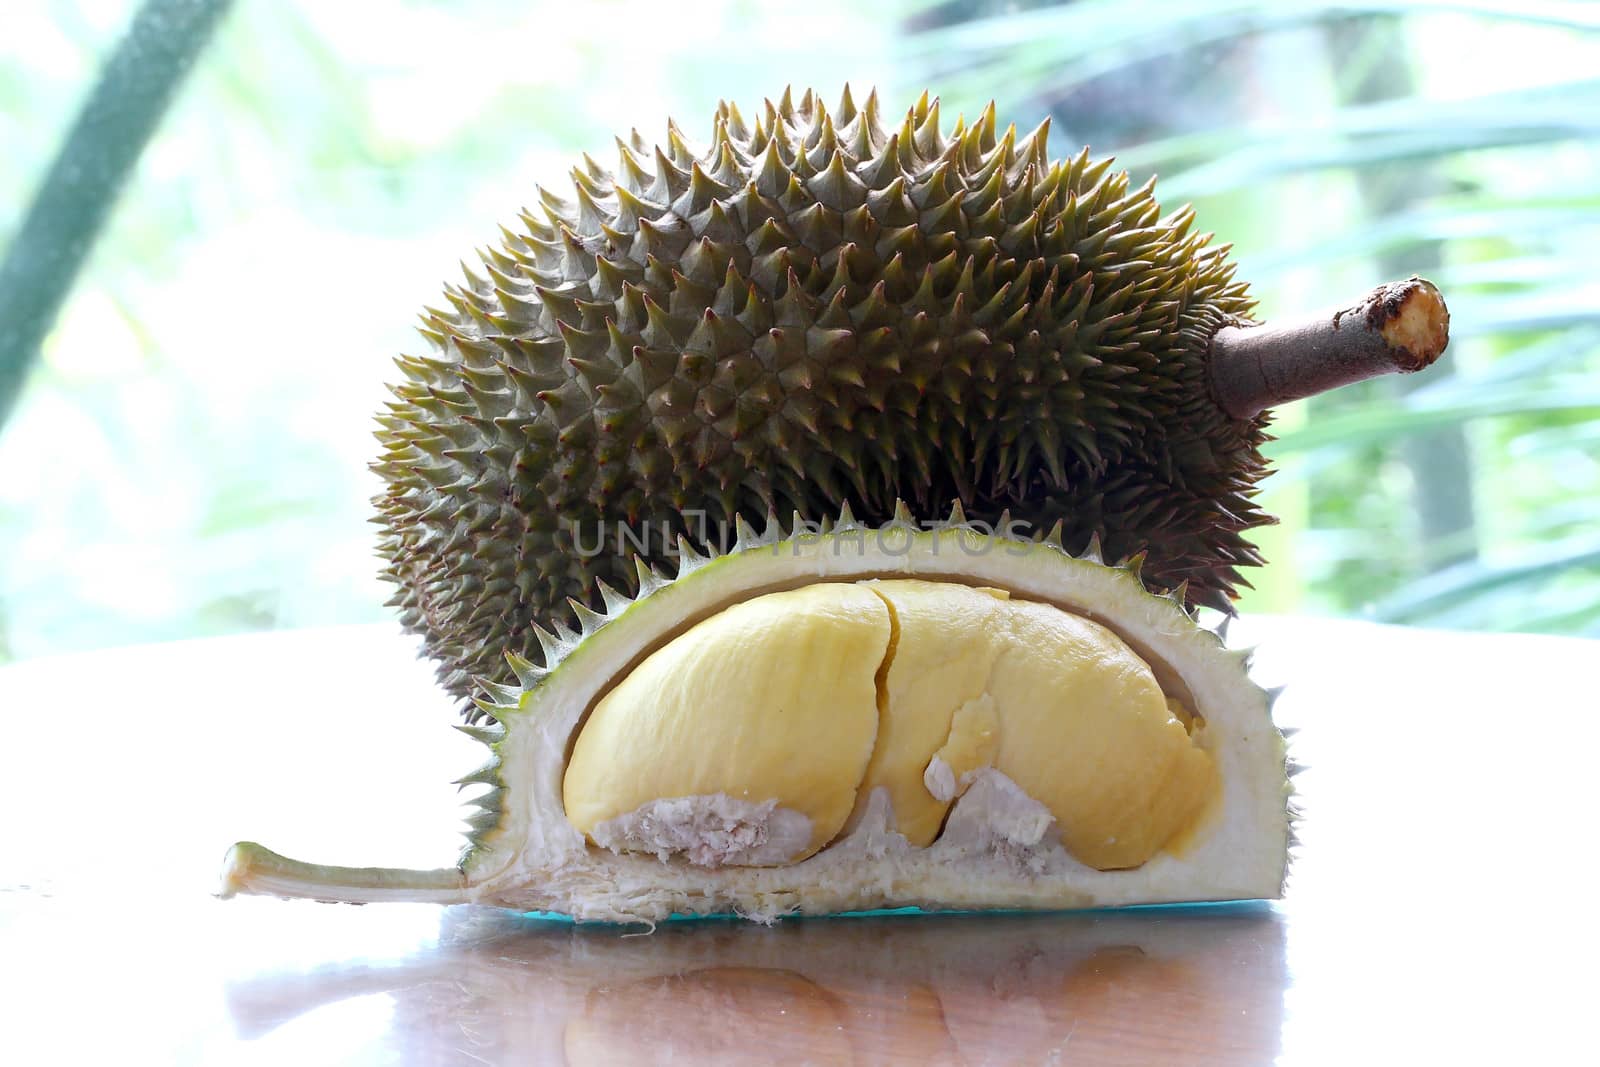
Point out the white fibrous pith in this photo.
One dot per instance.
(709, 831)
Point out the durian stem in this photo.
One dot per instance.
(1398, 327)
(249, 868)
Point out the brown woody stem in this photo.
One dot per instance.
(1399, 327)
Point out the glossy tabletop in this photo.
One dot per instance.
(1439, 907)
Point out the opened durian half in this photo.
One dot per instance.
(945, 717)
(822, 312)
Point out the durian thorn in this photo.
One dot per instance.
(1222, 628)
(483, 822)
(589, 620)
(649, 579)
(492, 709)
(475, 281)
(528, 675)
(488, 774)
(802, 527)
(689, 560)
(497, 694)
(1035, 146)
(745, 536)
(568, 637)
(1003, 527)
(869, 111)
(487, 735)
(1398, 327)
(986, 127)
(614, 601)
(774, 528)
(548, 645)
(249, 868)
(735, 122)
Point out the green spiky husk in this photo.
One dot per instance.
(816, 311)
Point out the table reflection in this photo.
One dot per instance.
(1170, 985)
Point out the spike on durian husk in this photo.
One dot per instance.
(821, 311)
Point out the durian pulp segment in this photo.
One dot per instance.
(806, 702)
(772, 699)
(1085, 731)
(942, 658)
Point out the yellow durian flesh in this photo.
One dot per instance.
(1086, 731)
(810, 700)
(943, 652)
(772, 699)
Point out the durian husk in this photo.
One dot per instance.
(820, 308)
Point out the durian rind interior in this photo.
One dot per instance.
(990, 853)
(747, 738)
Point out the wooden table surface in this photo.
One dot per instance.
(1440, 908)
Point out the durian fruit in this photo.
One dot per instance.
(823, 315)
(858, 717)
(823, 308)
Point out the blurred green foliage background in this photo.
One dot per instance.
(189, 457)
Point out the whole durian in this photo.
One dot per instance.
(855, 708)
(818, 310)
